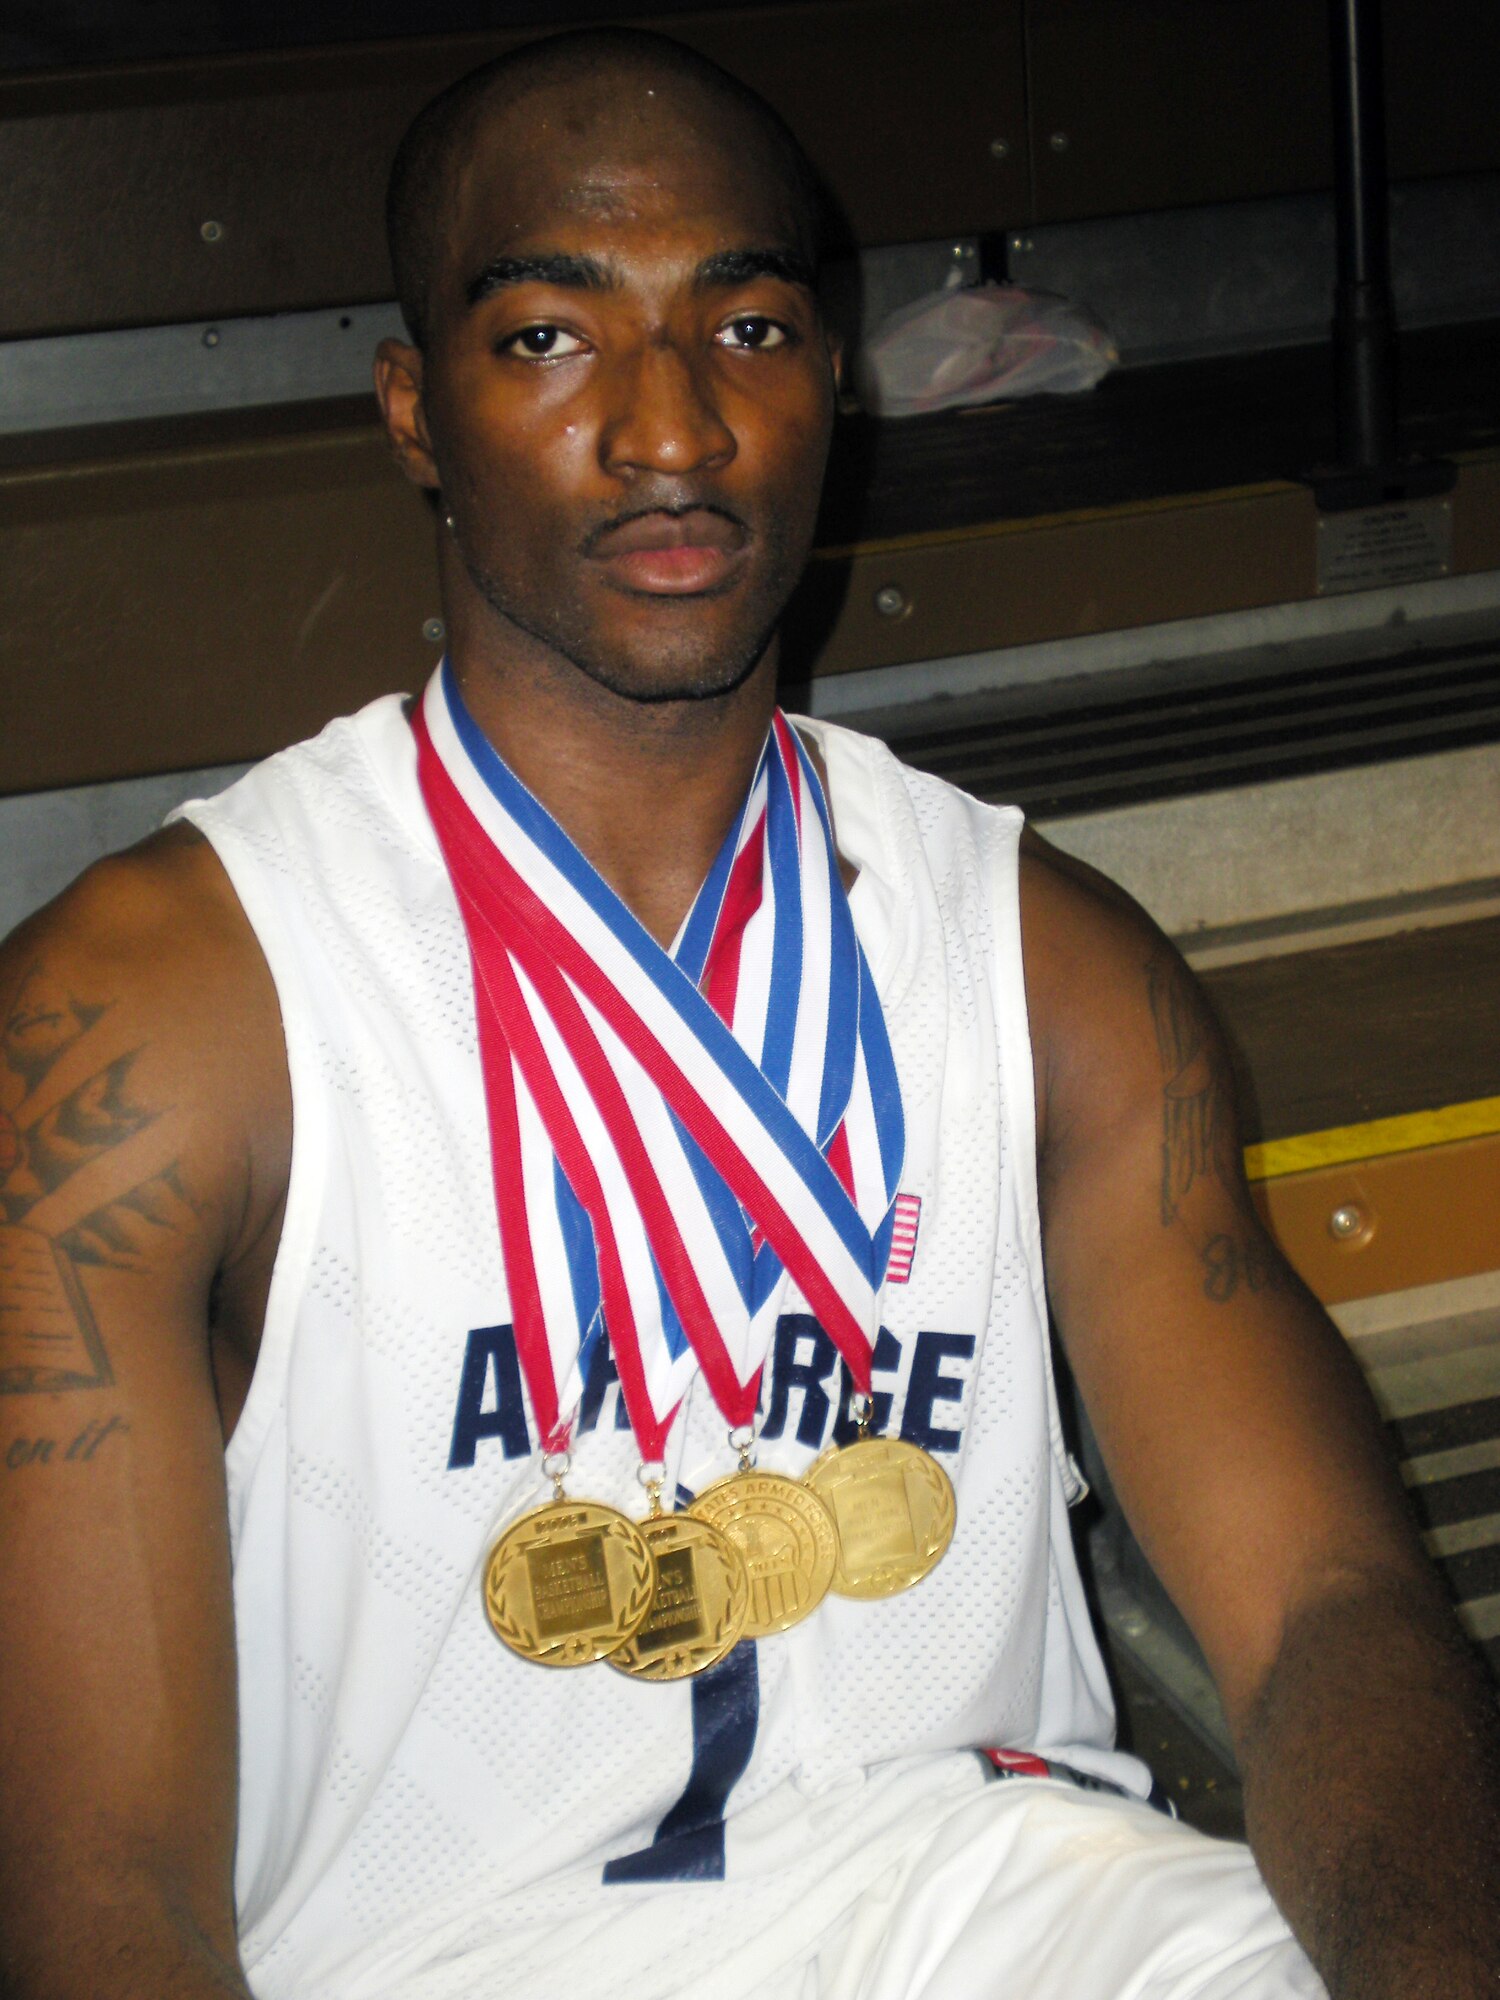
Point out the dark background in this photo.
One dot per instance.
(46, 34)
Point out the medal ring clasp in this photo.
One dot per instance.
(652, 1474)
(555, 1466)
(862, 1409)
(742, 1440)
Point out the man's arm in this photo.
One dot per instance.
(135, 1173)
(1249, 1460)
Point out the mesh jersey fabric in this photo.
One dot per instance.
(411, 1793)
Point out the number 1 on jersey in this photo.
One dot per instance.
(689, 1843)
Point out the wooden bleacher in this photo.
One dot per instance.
(158, 566)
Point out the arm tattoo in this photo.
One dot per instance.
(42, 1024)
(1199, 1136)
(1232, 1261)
(91, 1119)
(49, 1337)
(128, 1234)
(1198, 1133)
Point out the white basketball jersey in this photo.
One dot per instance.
(423, 1813)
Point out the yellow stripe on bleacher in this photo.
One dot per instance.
(1342, 1144)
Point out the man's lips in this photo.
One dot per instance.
(671, 554)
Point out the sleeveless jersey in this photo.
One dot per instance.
(421, 1812)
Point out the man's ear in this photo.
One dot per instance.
(835, 357)
(398, 387)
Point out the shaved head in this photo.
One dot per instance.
(440, 143)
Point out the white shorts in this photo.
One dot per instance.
(1036, 1890)
(928, 1881)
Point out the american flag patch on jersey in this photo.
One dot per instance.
(904, 1238)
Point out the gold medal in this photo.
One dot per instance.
(893, 1507)
(569, 1583)
(702, 1599)
(785, 1534)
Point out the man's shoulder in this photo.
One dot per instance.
(144, 914)
(139, 1001)
(166, 911)
(1071, 908)
(1112, 1005)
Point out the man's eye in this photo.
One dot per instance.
(542, 343)
(753, 331)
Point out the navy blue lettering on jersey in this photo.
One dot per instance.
(805, 1363)
(805, 1392)
(490, 1355)
(931, 1382)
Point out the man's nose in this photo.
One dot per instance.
(663, 415)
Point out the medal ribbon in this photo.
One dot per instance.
(671, 1133)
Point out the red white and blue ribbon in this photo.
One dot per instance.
(672, 1133)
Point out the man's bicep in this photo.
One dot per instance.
(1234, 1423)
(116, 1675)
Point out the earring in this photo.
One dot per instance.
(448, 524)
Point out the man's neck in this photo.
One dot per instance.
(647, 790)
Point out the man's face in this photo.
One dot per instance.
(627, 387)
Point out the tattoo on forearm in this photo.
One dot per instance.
(49, 1337)
(1231, 1263)
(1197, 1101)
(78, 1447)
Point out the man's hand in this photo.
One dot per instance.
(1249, 1460)
(138, 1176)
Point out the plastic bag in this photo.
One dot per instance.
(980, 344)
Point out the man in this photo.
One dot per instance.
(267, 1185)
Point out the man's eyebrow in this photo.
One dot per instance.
(739, 267)
(554, 268)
